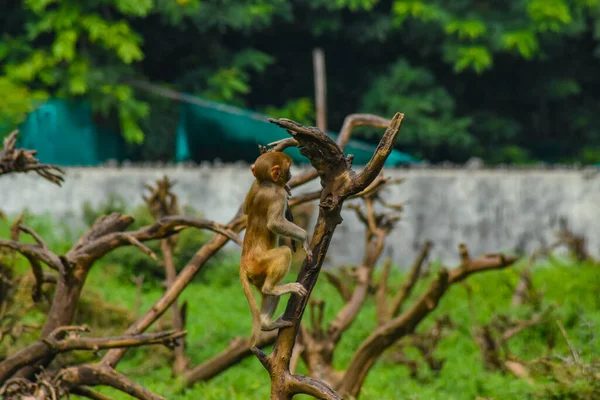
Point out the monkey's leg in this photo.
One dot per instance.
(277, 262)
(269, 305)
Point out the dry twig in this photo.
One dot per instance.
(20, 160)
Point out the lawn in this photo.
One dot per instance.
(218, 312)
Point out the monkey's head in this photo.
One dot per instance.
(274, 167)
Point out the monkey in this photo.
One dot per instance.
(263, 264)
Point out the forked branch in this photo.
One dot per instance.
(406, 323)
(20, 160)
(339, 182)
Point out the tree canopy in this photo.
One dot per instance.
(512, 81)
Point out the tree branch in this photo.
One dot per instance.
(89, 393)
(238, 350)
(20, 160)
(411, 280)
(406, 323)
(57, 343)
(237, 224)
(339, 182)
(374, 166)
(34, 251)
(381, 294)
(99, 374)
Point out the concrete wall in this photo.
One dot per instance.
(490, 210)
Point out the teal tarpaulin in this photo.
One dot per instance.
(63, 133)
(233, 134)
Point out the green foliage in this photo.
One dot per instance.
(524, 42)
(109, 297)
(476, 57)
(20, 102)
(549, 15)
(70, 45)
(299, 110)
(421, 10)
(518, 61)
(352, 5)
(428, 106)
(466, 29)
(231, 83)
(572, 288)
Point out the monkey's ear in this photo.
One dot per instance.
(252, 169)
(275, 172)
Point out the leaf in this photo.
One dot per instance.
(549, 15)
(476, 57)
(525, 42)
(252, 59)
(38, 6)
(129, 52)
(138, 8)
(416, 9)
(466, 29)
(94, 25)
(63, 47)
(18, 101)
(130, 113)
(300, 110)
(78, 74)
(28, 70)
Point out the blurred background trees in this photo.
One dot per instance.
(514, 81)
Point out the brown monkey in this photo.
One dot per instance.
(263, 264)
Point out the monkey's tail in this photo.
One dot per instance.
(253, 307)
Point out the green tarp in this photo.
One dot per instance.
(210, 129)
(63, 133)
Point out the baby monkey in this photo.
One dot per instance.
(263, 263)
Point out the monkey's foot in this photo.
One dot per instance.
(277, 324)
(298, 289)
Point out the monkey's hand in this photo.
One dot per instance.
(306, 246)
(298, 289)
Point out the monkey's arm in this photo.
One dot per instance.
(278, 224)
(290, 217)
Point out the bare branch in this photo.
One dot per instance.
(89, 393)
(339, 182)
(337, 283)
(355, 120)
(237, 350)
(236, 225)
(297, 384)
(382, 290)
(20, 160)
(387, 334)
(56, 343)
(384, 149)
(571, 347)
(35, 252)
(93, 375)
(304, 198)
(520, 326)
(411, 280)
(34, 234)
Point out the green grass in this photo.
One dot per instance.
(218, 312)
